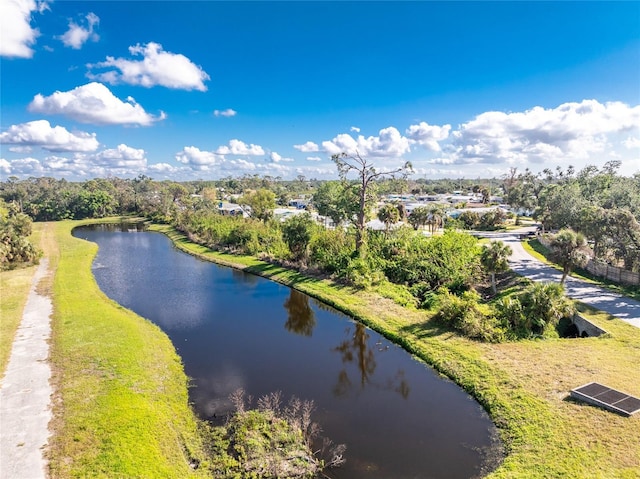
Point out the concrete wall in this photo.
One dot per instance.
(586, 327)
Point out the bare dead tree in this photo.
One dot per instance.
(366, 172)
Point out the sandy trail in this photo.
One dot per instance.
(25, 393)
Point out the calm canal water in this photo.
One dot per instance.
(398, 418)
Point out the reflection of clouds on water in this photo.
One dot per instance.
(125, 278)
(211, 393)
(192, 314)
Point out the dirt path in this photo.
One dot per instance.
(25, 394)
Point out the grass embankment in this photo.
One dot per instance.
(523, 385)
(121, 406)
(542, 253)
(14, 290)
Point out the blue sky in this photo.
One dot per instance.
(204, 89)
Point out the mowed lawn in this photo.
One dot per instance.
(14, 290)
(121, 403)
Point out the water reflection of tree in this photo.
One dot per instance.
(301, 319)
(247, 279)
(356, 350)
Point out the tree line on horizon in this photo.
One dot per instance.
(440, 273)
(599, 203)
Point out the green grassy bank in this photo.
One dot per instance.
(14, 290)
(523, 385)
(121, 406)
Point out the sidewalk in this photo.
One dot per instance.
(25, 393)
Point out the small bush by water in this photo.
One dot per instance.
(271, 441)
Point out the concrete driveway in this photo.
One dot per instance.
(524, 264)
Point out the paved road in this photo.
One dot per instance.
(523, 263)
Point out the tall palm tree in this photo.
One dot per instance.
(435, 218)
(389, 215)
(419, 217)
(494, 260)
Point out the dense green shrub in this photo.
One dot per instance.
(331, 250)
(361, 273)
(297, 233)
(425, 296)
(15, 248)
(271, 441)
(469, 219)
(255, 237)
(465, 314)
(492, 219)
(450, 260)
(243, 235)
(399, 293)
(535, 311)
(489, 220)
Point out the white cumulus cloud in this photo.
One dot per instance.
(198, 159)
(388, 144)
(16, 34)
(237, 147)
(163, 168)
(314, 158)
(570, 131)
(631, 142)
(21, 149)
(93, 103)
(427, 135)
(41, 133)
(5, 166)
(22, 167)
(77, 35)
(121, 157)
(122, 161)
(226, 113)
(277, 169)
(308, 147)
(276, 158)
(319, 172)
(158, 67)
